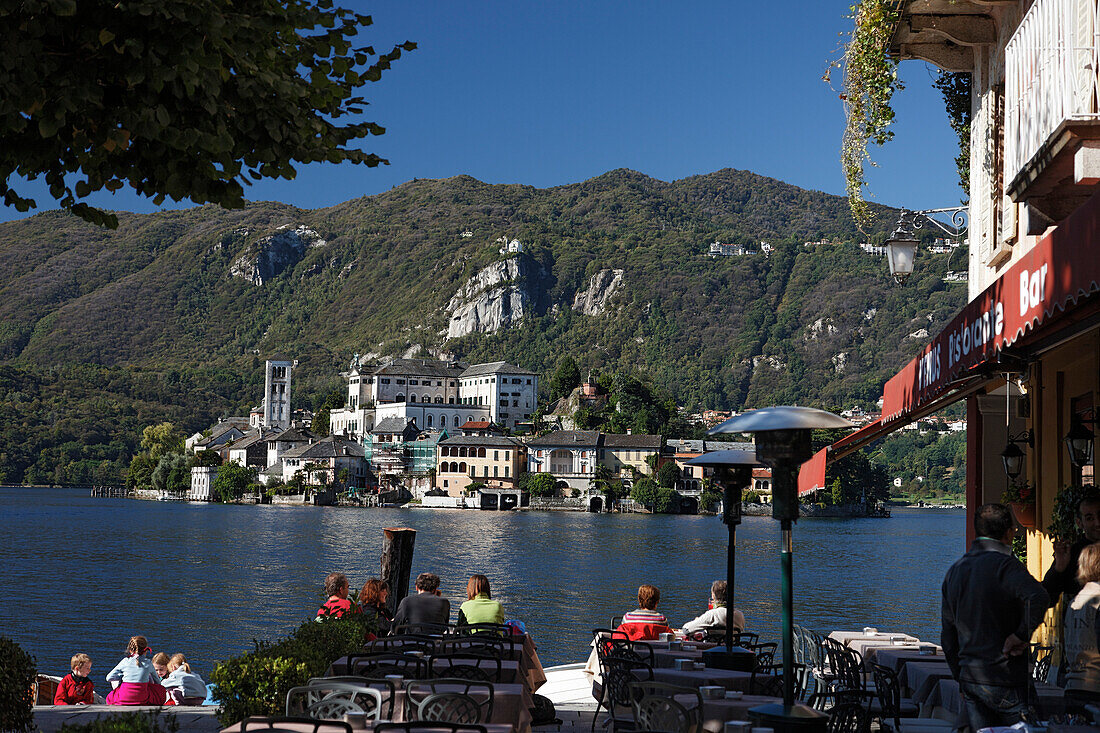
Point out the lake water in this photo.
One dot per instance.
(83, 575)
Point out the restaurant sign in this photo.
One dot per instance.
(1063, 267)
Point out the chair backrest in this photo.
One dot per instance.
(334, 700)
(619, 673)
(888, 690)
(493, 646)
(467, 666)
(1040, 662)
(385, 688)
(418, 692)
(273, 722)
(423, 629)
(428, 725)
(766, 680)
(616, 642)
(656, 707)
(746, 638)
(387, 663)
(616, 621)
(402, 643)
(846, 664)
(765, 653)
(848, 716)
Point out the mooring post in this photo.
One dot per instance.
(397, 557)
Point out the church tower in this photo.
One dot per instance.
(277, 391)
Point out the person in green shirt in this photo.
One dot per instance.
(480, 608)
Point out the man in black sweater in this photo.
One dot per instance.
(427, 608)
(991, 606)
(1062, 575)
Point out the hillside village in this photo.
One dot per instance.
(444, 434)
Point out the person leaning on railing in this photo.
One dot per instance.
(715, 617)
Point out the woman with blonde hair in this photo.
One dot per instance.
(480, 608)
(1083, 630)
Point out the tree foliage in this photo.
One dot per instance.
(172, 474)
(161, 439)
(667, 475)
(233, 481)
(644, 491)
(179, 99)
(566, 378)
(540, 484)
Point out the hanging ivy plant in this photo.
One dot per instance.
(955, 88)
(1063, 524)
(870, 80)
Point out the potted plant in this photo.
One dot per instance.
(1021, 499)
(1063, 525)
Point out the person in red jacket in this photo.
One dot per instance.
(645, 623)
(76, 688)
(336, 588)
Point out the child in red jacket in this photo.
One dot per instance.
(76, 688)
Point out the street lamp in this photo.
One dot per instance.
(1079, 442)
(901, 247)
(1012, 457)
(733, 471)
(783, 442)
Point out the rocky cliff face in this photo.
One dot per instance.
(601, 287)
(495, 298)
(271, 255)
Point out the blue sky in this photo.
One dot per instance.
(550, 93)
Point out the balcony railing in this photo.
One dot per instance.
(1050, 76)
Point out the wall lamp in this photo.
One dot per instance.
(901, 246)
(1012, 457)
(1080, 441)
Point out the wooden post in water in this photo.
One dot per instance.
(397, 556)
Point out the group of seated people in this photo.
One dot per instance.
(646, 623)
(426, 607)
(141, 678)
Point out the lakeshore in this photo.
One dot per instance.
(206, 579)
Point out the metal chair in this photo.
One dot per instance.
(656, 708)
(424, 629)
(476, 643)
(767, 680)
(888, 703)
(449, 700)
(845, 667)
(467, 666)
(848, 716)
(402, 643)
(615, 642)
(387, 663)
(385, 688)
(1040, 662)
(618, 674)
(270, 723)
(333, 700)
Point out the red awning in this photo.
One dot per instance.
(1062, 268)
(811, 476)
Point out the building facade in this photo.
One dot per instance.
(277, 381)
(509, 392)
(568, 455)
(494, 460)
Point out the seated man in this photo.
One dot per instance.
(715, 618)
(645, 623)
(426, 607)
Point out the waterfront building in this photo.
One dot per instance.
(202, 483)
(252, 449)
(493, 460)
(510, 392)
(430, 416)
(226, 431)
(627, 455)
(568, 455)
(1024, 353)
(287, 440)
(325, 461)
(384, 447)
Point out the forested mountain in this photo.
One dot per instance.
(171, 315)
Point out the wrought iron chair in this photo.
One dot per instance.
(848, 716)
(385, 688)
(333, 700)
(1040, 662)
(477, 643)
(845, 666)
(387, 663)
(615, 642)
(467, 666)
(656, 707)
(450, 700)
(270, 723)
(424, 629)
(888, 703)
(618, 674)
(401, 643)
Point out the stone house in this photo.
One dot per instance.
(324, 461)
(627, 454)
(568, 455)
(493, 460)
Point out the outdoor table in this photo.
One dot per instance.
(509, 669)
(717, 712)
(944, 695)
(860, 641)
(666, 658)
(921, 677)
(728, 678)
(895, 657)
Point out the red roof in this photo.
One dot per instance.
(476, 425)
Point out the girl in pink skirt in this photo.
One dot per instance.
(135, 680)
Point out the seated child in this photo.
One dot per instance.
(160, 664)
(135, 679)
(184, 686)
(76, 688)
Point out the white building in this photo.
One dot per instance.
(202, 483)
(509, 247)
(431, 416)
(509, 391)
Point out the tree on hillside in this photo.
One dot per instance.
(320, 425)
(179, 99)
(565, 379)
(157, 440)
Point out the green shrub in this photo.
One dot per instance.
(256, 683)
(126, 723)
(17, 675)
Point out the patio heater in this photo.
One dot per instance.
(733, 471)
(783, 442)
